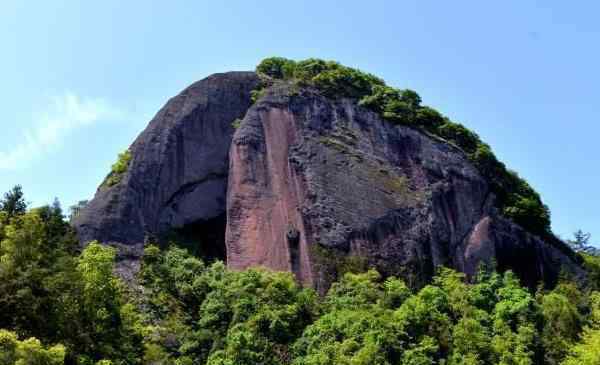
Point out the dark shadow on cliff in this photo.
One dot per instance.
(204, 238)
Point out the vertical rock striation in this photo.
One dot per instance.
(178, 172)
(319, 186)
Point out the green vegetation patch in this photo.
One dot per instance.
(30, 351)
(592, 266)
(118, 169)
(217, 316)
(237, 123)
(257, 94)
(516, 199)
(60, 305)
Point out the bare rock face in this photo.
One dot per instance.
(178, 173)
(311, 185)
(318, 186)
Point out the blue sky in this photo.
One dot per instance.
(80, 80)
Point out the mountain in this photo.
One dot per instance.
(319, 169)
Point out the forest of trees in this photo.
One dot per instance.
(60, 304)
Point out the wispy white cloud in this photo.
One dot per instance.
(51, 127)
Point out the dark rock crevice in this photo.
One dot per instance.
(203, 238)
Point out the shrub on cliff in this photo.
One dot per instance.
(458, 134)
(118, 168)
(277, 67)
(331, 78)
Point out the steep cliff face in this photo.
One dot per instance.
(177, 177)
(318, 186)
(307, 184)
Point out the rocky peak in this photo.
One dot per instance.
(308, 183)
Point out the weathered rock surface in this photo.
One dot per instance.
(178, 173)
(310, 185)
(317, 186)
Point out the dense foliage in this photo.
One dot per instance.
(59, 305)
(515, 197)
(30, 351)
(52, 293)
(193, 313)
